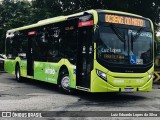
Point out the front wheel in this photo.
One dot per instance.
(64, 82)
(18, 74)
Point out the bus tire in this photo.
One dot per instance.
(18, 74)
(64, 82)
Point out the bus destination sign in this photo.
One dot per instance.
(125, 20)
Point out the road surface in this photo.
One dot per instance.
(39, 96)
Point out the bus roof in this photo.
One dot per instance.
(63, 18)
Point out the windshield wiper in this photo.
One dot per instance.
(134, 38)
(137, 34)
(119, 34)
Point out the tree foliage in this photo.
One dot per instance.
(13, 15)
(16, 13)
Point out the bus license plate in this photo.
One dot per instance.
(128, 89)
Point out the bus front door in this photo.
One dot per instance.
(84, 57)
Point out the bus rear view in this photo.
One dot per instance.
(123, 53)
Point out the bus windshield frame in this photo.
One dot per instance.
(130, 45)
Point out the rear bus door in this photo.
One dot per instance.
(30, 57)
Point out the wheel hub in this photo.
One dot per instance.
(65, 82)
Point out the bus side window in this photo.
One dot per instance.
(22, 42)
(55, 39)
(71, 43)
(40, 45)
(12, 47)
(9, 48)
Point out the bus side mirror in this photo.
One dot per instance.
(155, 48)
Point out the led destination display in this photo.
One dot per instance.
(124, 20)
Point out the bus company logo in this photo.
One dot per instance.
(50, 71)
(6, 114)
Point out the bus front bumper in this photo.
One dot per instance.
(99, 85)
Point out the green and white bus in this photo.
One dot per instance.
(94, 51)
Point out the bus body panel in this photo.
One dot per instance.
(23, 67)
(39, 71)
(117, 82)
(99, 85)
(72, 73)
(47, 71)
(9, 66)
(43, 71)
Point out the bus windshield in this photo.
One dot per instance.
(124, 46)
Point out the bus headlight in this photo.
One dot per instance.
(101, 74)
(150, 76)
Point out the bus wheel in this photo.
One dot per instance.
(18, 74)
(64, 82)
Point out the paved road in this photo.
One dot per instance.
(39, 96)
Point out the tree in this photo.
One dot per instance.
(13, 14)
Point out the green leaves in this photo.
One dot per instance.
(13, 15)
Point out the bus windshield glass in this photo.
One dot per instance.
(124, 46)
